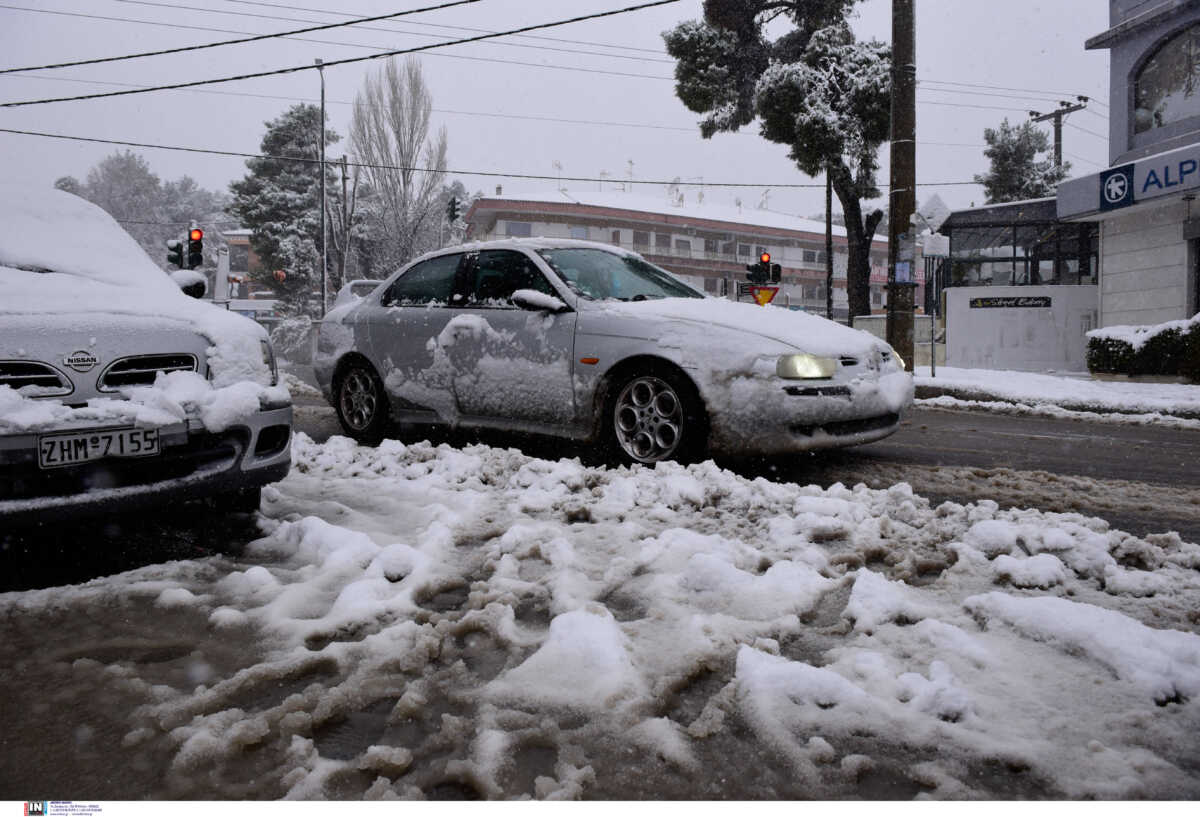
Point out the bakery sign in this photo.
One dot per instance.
(1012, 302)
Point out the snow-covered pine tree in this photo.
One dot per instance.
(1015, 173)
(278, 200)
(816, 89)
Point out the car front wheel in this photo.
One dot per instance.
(362, 404)
(656, 416)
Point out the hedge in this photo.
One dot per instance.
(1170, 349)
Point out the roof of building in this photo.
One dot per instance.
(688, 208)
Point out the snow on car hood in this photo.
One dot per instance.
(61, 256)
(809, 333)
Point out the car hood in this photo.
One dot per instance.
(800, 330)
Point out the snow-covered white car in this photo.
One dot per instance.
(587, 341)
(117, 390)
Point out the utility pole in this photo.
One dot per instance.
(324, 238)
(828, 245)
(902, 199)
(1064, 108)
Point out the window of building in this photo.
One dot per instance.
(876, 296)
(641, 239)
(743, 249)
(710, 246)
(662, 241)
(683, 247)
(579, 232)
(518, 229)
(429, 282)
(810, 256)
(1165, 89)
(616, 237)
(729, 248)
(710, 284)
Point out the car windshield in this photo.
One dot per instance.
(603, 275)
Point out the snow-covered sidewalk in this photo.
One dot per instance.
(424, 621)
(1075, 395)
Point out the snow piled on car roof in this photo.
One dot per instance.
(421, 621)
(58, 232)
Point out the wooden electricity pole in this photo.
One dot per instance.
(902, 198)
(1064, 108)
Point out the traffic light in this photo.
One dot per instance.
(776, 273)
(452, 210)
(195, 248)
(761, 272)
(175, 252)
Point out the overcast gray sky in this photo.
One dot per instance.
(495, 98)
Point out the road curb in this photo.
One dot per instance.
(927, 392)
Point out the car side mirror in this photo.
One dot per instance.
(536, 301)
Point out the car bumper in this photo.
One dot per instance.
(193, 463)
(785, 417)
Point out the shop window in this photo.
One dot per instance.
(518, 229)
(1165, 89)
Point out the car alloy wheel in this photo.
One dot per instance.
(361, 404)
(648, 419)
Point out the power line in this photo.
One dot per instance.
(453, 27)
(255, 38)
(344, 61)
(1008, 88)
(447, 171)
(211, 29)
(1085, 130)
(183, 7)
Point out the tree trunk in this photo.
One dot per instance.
(859, 235)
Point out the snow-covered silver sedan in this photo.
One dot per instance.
(586, 341)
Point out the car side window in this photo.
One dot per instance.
(429, 282)
(497, 274)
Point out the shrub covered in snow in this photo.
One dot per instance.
(292, 339)
(1171, 348)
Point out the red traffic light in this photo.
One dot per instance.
(195, 234)
(765, 258)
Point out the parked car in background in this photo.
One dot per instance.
(117, 390)
(587, 341)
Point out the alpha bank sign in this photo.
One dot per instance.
(1150, 178)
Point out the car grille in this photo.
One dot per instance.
(141, 370)
(846, 428)
(49, 381)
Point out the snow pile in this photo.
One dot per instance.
(426, 621)
(174, 398)
(1052, 395)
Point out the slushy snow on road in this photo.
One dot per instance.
(425, 621)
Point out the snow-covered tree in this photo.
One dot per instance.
(404, 166)
(815, 89)
(279, 200)
(151, 211)
(1016, 173)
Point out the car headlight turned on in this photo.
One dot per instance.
(269, 359)
(804, 366)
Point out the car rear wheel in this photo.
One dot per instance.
(362, 404)
(656, 416)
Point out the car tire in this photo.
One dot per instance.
(654, 414)
(361, 403)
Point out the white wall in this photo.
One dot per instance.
(1143, 268)
(1030, 339)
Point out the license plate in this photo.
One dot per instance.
(57, 450)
